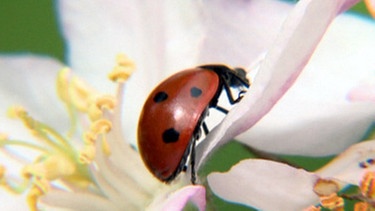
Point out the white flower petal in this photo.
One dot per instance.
(315, 113)
(265, 185)
(281, 66)
(237, 32)
(350, 165)
(311, 129)
(21, 84)
(12, 202)
(77, 201)
(120, 187)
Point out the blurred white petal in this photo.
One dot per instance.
(237, 32)
(363, 93)
(21, 84)
(315, 113)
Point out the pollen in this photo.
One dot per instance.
(332, 202)
(101, 126)
(105, 102)
(87, 154)
(122, 71)
(98, 131)
(101, 103)
(367, 185)
(361, 206)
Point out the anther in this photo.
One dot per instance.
(101, 126)
(122, 71)
(367, 185)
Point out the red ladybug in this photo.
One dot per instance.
(173, 114)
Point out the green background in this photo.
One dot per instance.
(32, 26)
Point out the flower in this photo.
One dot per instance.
(269, 185)
(107, 173)
(182, 34)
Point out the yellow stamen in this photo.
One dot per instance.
(34, 194)
(87, 154)
(97, 106)
(16, 112)
(325, 187)
(105, 102)
(105, 146)
(51, 167)
(371, 7)
(58, 159)
(361, 206)
(124, 68)
(332, 202)
(81, 95)
(62, 84)
(101, 126)
(89, 137)
(98, 130)
(367, 185)
(94, 112)
(42, 131)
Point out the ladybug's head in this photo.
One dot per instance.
(238, 78)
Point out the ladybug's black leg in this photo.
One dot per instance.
(192, 163)
(229, 94)
(205, 128)
(221, 109)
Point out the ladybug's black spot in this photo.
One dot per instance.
(170, 135)
(195, 92)
(160, 97)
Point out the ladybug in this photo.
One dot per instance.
(173, 115)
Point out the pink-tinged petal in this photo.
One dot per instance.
(177, 200)
(371, 6)
(352, 164)
(265, 185)
(237, 32)
(362, 93)
(283, 63)
(30, 81)
(315, 112)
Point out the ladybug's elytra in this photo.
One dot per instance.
(173, 114)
